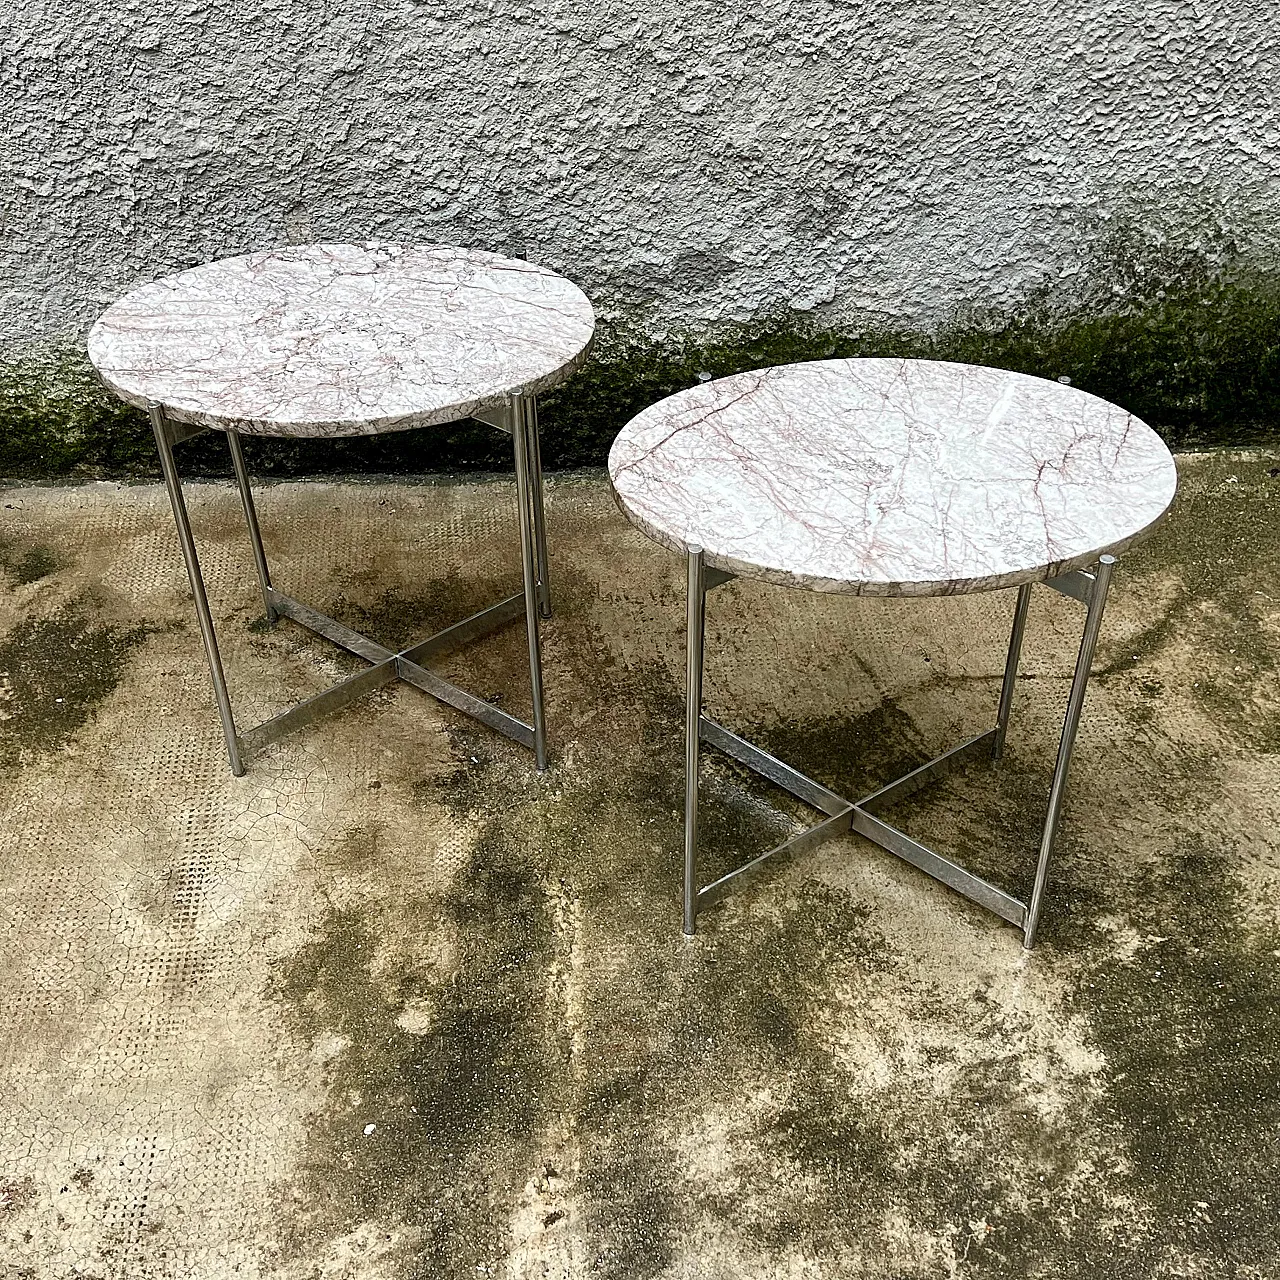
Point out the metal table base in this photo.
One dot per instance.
(859, 815)
(519, 419)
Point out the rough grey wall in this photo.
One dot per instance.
(694, 161)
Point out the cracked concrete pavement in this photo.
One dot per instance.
(394, 1005)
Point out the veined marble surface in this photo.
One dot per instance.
(891, 477)
(342, 339)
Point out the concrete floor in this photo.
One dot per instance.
(394, 1005)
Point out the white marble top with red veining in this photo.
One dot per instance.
(342, 339)
(891, 477)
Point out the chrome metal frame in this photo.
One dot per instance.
(858, 815)
(519, 419)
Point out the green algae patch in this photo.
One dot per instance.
(437, 1087)
(26, 565)
(854, 755)
(1188, 342)
(667, 1046)
(1191, 349)
(954, 1143)
(1187, 1022)
(1222, 542)
(397, 618)
(53, 673)
(57, 419)
(1177, 970)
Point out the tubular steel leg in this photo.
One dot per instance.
(525, 500)
(1011, 669)
(251, 519)
(539, 517)
(1075, 704)
(174, 486)
(693, 716)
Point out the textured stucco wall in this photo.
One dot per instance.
(693, 161)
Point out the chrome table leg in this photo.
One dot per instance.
(697, 622)
(173, 485)
(251, 519)
(1075, 704)
(1011, 669)
(843, 815)
(387, 665)
(539, 515)
(520, 424)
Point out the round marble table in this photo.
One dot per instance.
(352, 339)
(891, 478)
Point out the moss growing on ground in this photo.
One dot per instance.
(1189, 345)
(26, 564)
(53, 674)
(416, 1125)
(1189, 1031)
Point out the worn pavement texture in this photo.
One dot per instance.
(395, 1005)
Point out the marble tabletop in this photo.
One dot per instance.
(891, 477)
(342, 339)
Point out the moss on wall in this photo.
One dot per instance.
(1193, 349)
